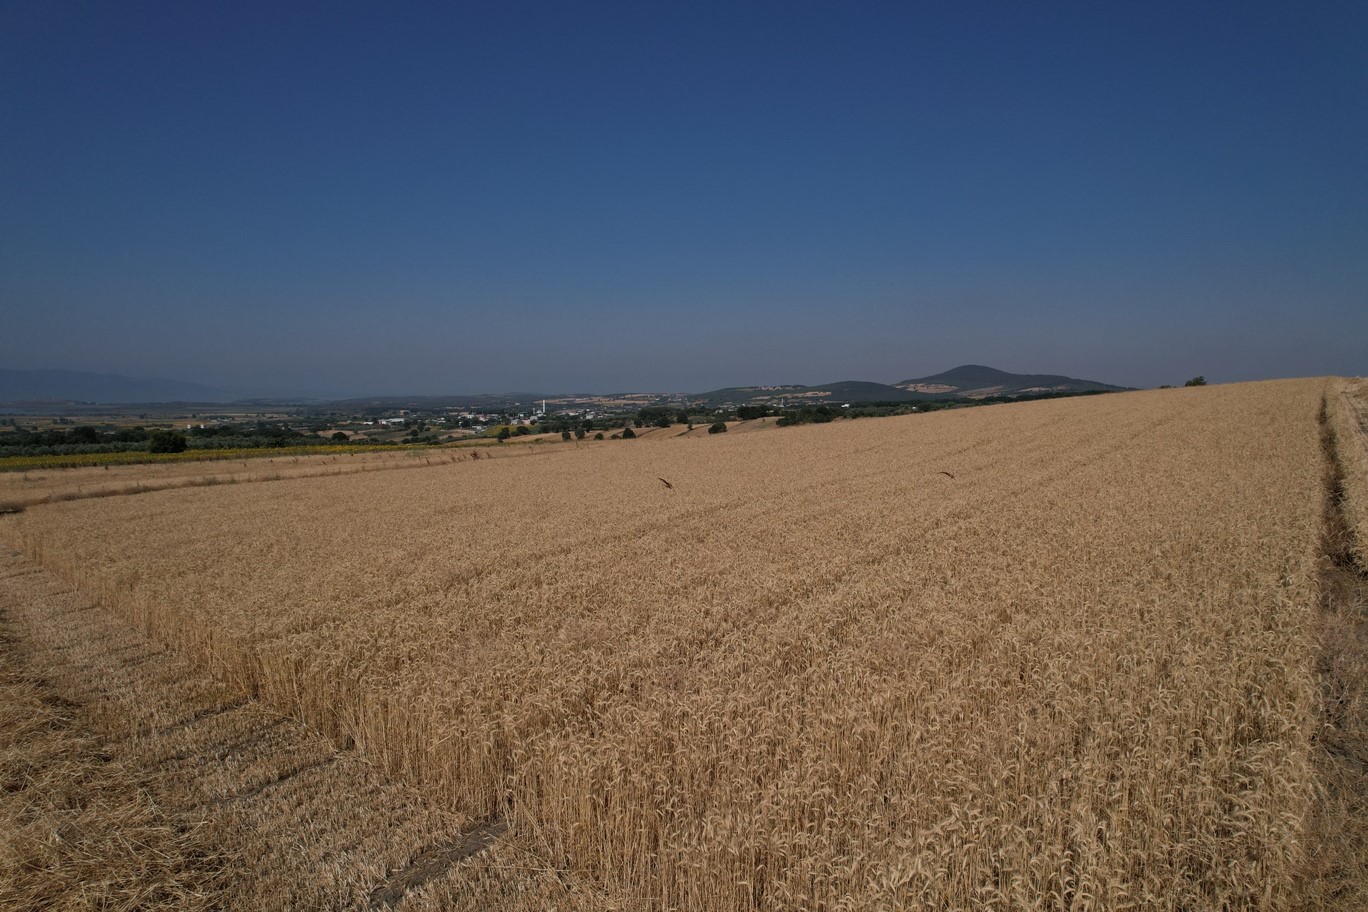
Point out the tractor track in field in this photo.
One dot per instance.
(1337, 875)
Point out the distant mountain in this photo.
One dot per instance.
(735, 394)
(491, 401)
(861, 391)
(857, 391)
(33, 388)
(79, 386)
(974, 381)
(970, 381)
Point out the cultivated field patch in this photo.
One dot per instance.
(1050, 655)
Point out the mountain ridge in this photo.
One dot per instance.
(977, 380)
(965, 381)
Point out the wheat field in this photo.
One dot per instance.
(1051, 655)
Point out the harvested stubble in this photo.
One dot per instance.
(815, 673)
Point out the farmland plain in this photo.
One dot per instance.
(1052, 655)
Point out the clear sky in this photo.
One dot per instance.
(469, 197)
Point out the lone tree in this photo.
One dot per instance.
(1199, 380)
(718, 428)
(628, 433)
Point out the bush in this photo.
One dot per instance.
(599, 435)
(340, 437)
(1199, 380)
(628, 433)
(660, 416)
(718, 428)
(160, 441)
(565, 435)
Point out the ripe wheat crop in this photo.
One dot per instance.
(1053, 655)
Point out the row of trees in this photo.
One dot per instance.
(87, 439)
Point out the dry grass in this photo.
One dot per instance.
(816, 673)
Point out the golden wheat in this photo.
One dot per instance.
(816, 672)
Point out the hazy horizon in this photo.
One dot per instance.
(263, 393)
(457, 199)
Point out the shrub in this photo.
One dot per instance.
(628, 433)
(160, 441)
(1198, 380)
(718, 428)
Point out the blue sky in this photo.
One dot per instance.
(457, 197)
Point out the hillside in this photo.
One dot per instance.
(972, 381)
(976, 381)
(841, 391)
